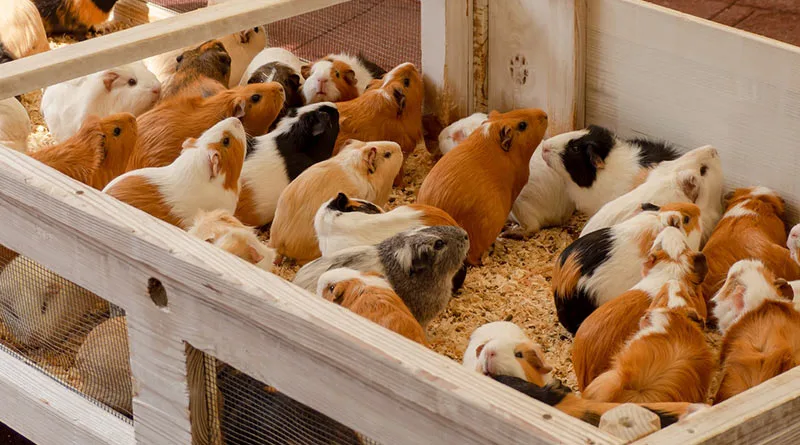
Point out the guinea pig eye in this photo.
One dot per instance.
(387, 155)
(117, 131)
(438, 245)
(255, 98)
(331, 288)
(226, 141)
(132, 82)
(686, 219)
(179, 59)
(522, 126)
(406, 82)
(703, 170)
(255, 30)
(338, 75)
(518, 354)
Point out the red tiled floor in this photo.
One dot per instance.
(773, 5)
(733, 15)
(698, 8)
(783, 26)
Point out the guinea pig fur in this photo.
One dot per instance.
(220, 228)
(204, 177)
(73, 16)
(121, 134)
(125, 89)
(694, 177)
(242, 47)
(104, 366)
(335, 78)
(459, 130)
(751, 227)
(278, 72)
(371, 297)
(163, 129)
(39, 307)
(275, 55)
(760, 325)
(670, 259)
(419, 264)
(478, 183)
(598, 166)
(342, 222)
(363, 170)
(603, 264)
(304, 137)
(22, 32)
(15, 125)
(502, 348)
(201, 71)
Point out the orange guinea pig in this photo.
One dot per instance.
(163, 129)
(202, 71)
(121, 132)
(478, 182)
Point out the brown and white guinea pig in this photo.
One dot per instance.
(302, 138)
(694, 177)
(667, 360)
(39, 307)
(125, 89)
(204, 177)
(459, 130)
(15, 125)
(343, 222)
(363, 170)
(391, 111)
(603, 264)
(372, 297)
(793, 243)
(502, 348)
(760, 325)
(277, 65)
(220, 228)
(670, 258)
(751, 227)
(419, 263)
(163, 129)
(22, 32)
(599, 166)
(477, 183)
(337, 78)
(201, 71)
(73, 16)
(104, 366)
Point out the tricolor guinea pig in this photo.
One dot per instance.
(204, 177)
(478, 183)
(302, 138)
(15, 125)
(502, 348)
(163, 129)
(670, 259)
(364, 170)
(22, 32)
(278, 65)
(459, 130)
(601, 265)
(337, 78)
(420, 264)
(73, 16)
(694, 177)
(372, 297)
(220, 228)
(752, 227)
(598, 166)
(760, 325)
(104, 365)
(201, 71)
(125, 89)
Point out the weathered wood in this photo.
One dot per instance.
(480, 56)
(48, 413)
(131, 12)
(629, 422)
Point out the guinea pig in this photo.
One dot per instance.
(459, 130)
(304, 137)
(478, 183)
(284, 75)
(204, 177)
(364, 170)
(40, 308)
(104, 366)
(201, 71)
(760, 325)
(163, 129)
(751, 227)
(22, 32)
(420, 264)
(220, 228)
(242, 47)
(793, 243)
(342, 222)
(372, 297)
(603, 264)
(502, 348)
(15, 125)
(670, 258)
(73, 16)
(598, 166)
(336, 78)
(391, 111)
(274, 55)
(694, 177)
(121, 134)
(125, 89)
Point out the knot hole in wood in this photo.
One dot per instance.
(157, 292)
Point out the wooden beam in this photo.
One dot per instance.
(480, 56)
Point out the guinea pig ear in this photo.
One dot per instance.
(784, 288)
(400, 99)
(319, 125)
(214, 163)
(694, 316)
(689, 185)
(294, 82)
(255, 256)
(479, 349)
(108, 79)
(340, 202)
(305, 71)
(421, 260)
(596, 160)
(189, 143)
(370, 158)
(506, 138)
(239, 107)
(244, 36)
(537, 361)
(350, 77)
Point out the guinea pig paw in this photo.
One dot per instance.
(514, 231)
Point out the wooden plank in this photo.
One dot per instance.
(131, 12)
(140, 42)
(348, 368)
(47, 412)
(480, 56)
(658, 73)
(536, 51)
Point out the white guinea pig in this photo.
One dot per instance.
(125, 89)
(15, 125)
(268, 55)
(459, 130)
(103, 363)
(502, 348)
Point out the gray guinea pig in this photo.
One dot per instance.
(419, 263)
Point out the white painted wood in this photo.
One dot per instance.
(658, 73)
(48, 413)
(140, 42)
(629, 422)
(536, 51)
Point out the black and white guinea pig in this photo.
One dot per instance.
(277, 65)
(598, 166)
